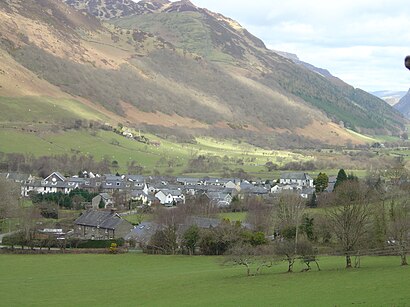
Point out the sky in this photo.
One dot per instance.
(363, 42)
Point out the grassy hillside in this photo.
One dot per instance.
(44, 109)
(220, 39)
(105, 144)
(143, 280)
(172, 69)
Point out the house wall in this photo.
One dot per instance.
(89, 233)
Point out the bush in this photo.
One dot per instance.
(100, 243)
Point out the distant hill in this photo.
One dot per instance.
(391, 97)
(291, 56)
(173, 65)
(404, 105)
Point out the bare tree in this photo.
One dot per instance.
(399, 228)
(349, 215)
(9, 199)
(199, 205)
(260, 215)
(253, 258)
(27, 224)
(397, 173)
(289, 212)
(288, 250)
(168, 221)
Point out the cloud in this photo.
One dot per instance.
(363, 42)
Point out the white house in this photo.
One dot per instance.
(300, 179)
(170, 197)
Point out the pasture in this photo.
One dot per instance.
(147, 280)
(170, 157)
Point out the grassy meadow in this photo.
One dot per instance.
(44, 109)
(146, 280)
(106, 144)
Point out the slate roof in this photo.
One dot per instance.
(137, 193)
(17, 177)
(143, 232)
(295, 176)
(172, 192)
(203, 222)
(58, 174)
(105, 196)
(221, 181)
(189, 180)
(111, 177)
(135, 178)
(76, 180)
(216, 195)
(100, 219)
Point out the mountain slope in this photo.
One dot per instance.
(221, 39)
(403, 105)
(162, 64)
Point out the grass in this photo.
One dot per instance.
(146, 280)
(137, 218)
(233, 216)
(44, 109)
(106, 144)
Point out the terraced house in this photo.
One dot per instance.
(101, 225)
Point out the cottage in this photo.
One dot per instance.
(140, 196)
(219, 199)
(170, 197)
(189, 181)
(102, 200)
(300, 179)
(135, 181)
(53, 183)
(101, 225)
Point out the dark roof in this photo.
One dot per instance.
(18, 176)
(295, 176)
(111, 177)
(188, 179)
(135, 178)
(76, 179)
(137, 193)
(143, 232)
(216, 195)
(216, 180)
(203, 222)
(100, 219)
(58, 174)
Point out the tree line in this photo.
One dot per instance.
(361, 217)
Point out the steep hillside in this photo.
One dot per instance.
(222, 40)
(158, 64)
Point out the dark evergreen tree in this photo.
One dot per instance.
(321, 182)
(341, 177)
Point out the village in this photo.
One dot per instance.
(117, 196)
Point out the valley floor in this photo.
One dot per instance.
(147, 280)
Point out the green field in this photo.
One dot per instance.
(233, 216)
(144, 280)
(44, 109)
(106, 144)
